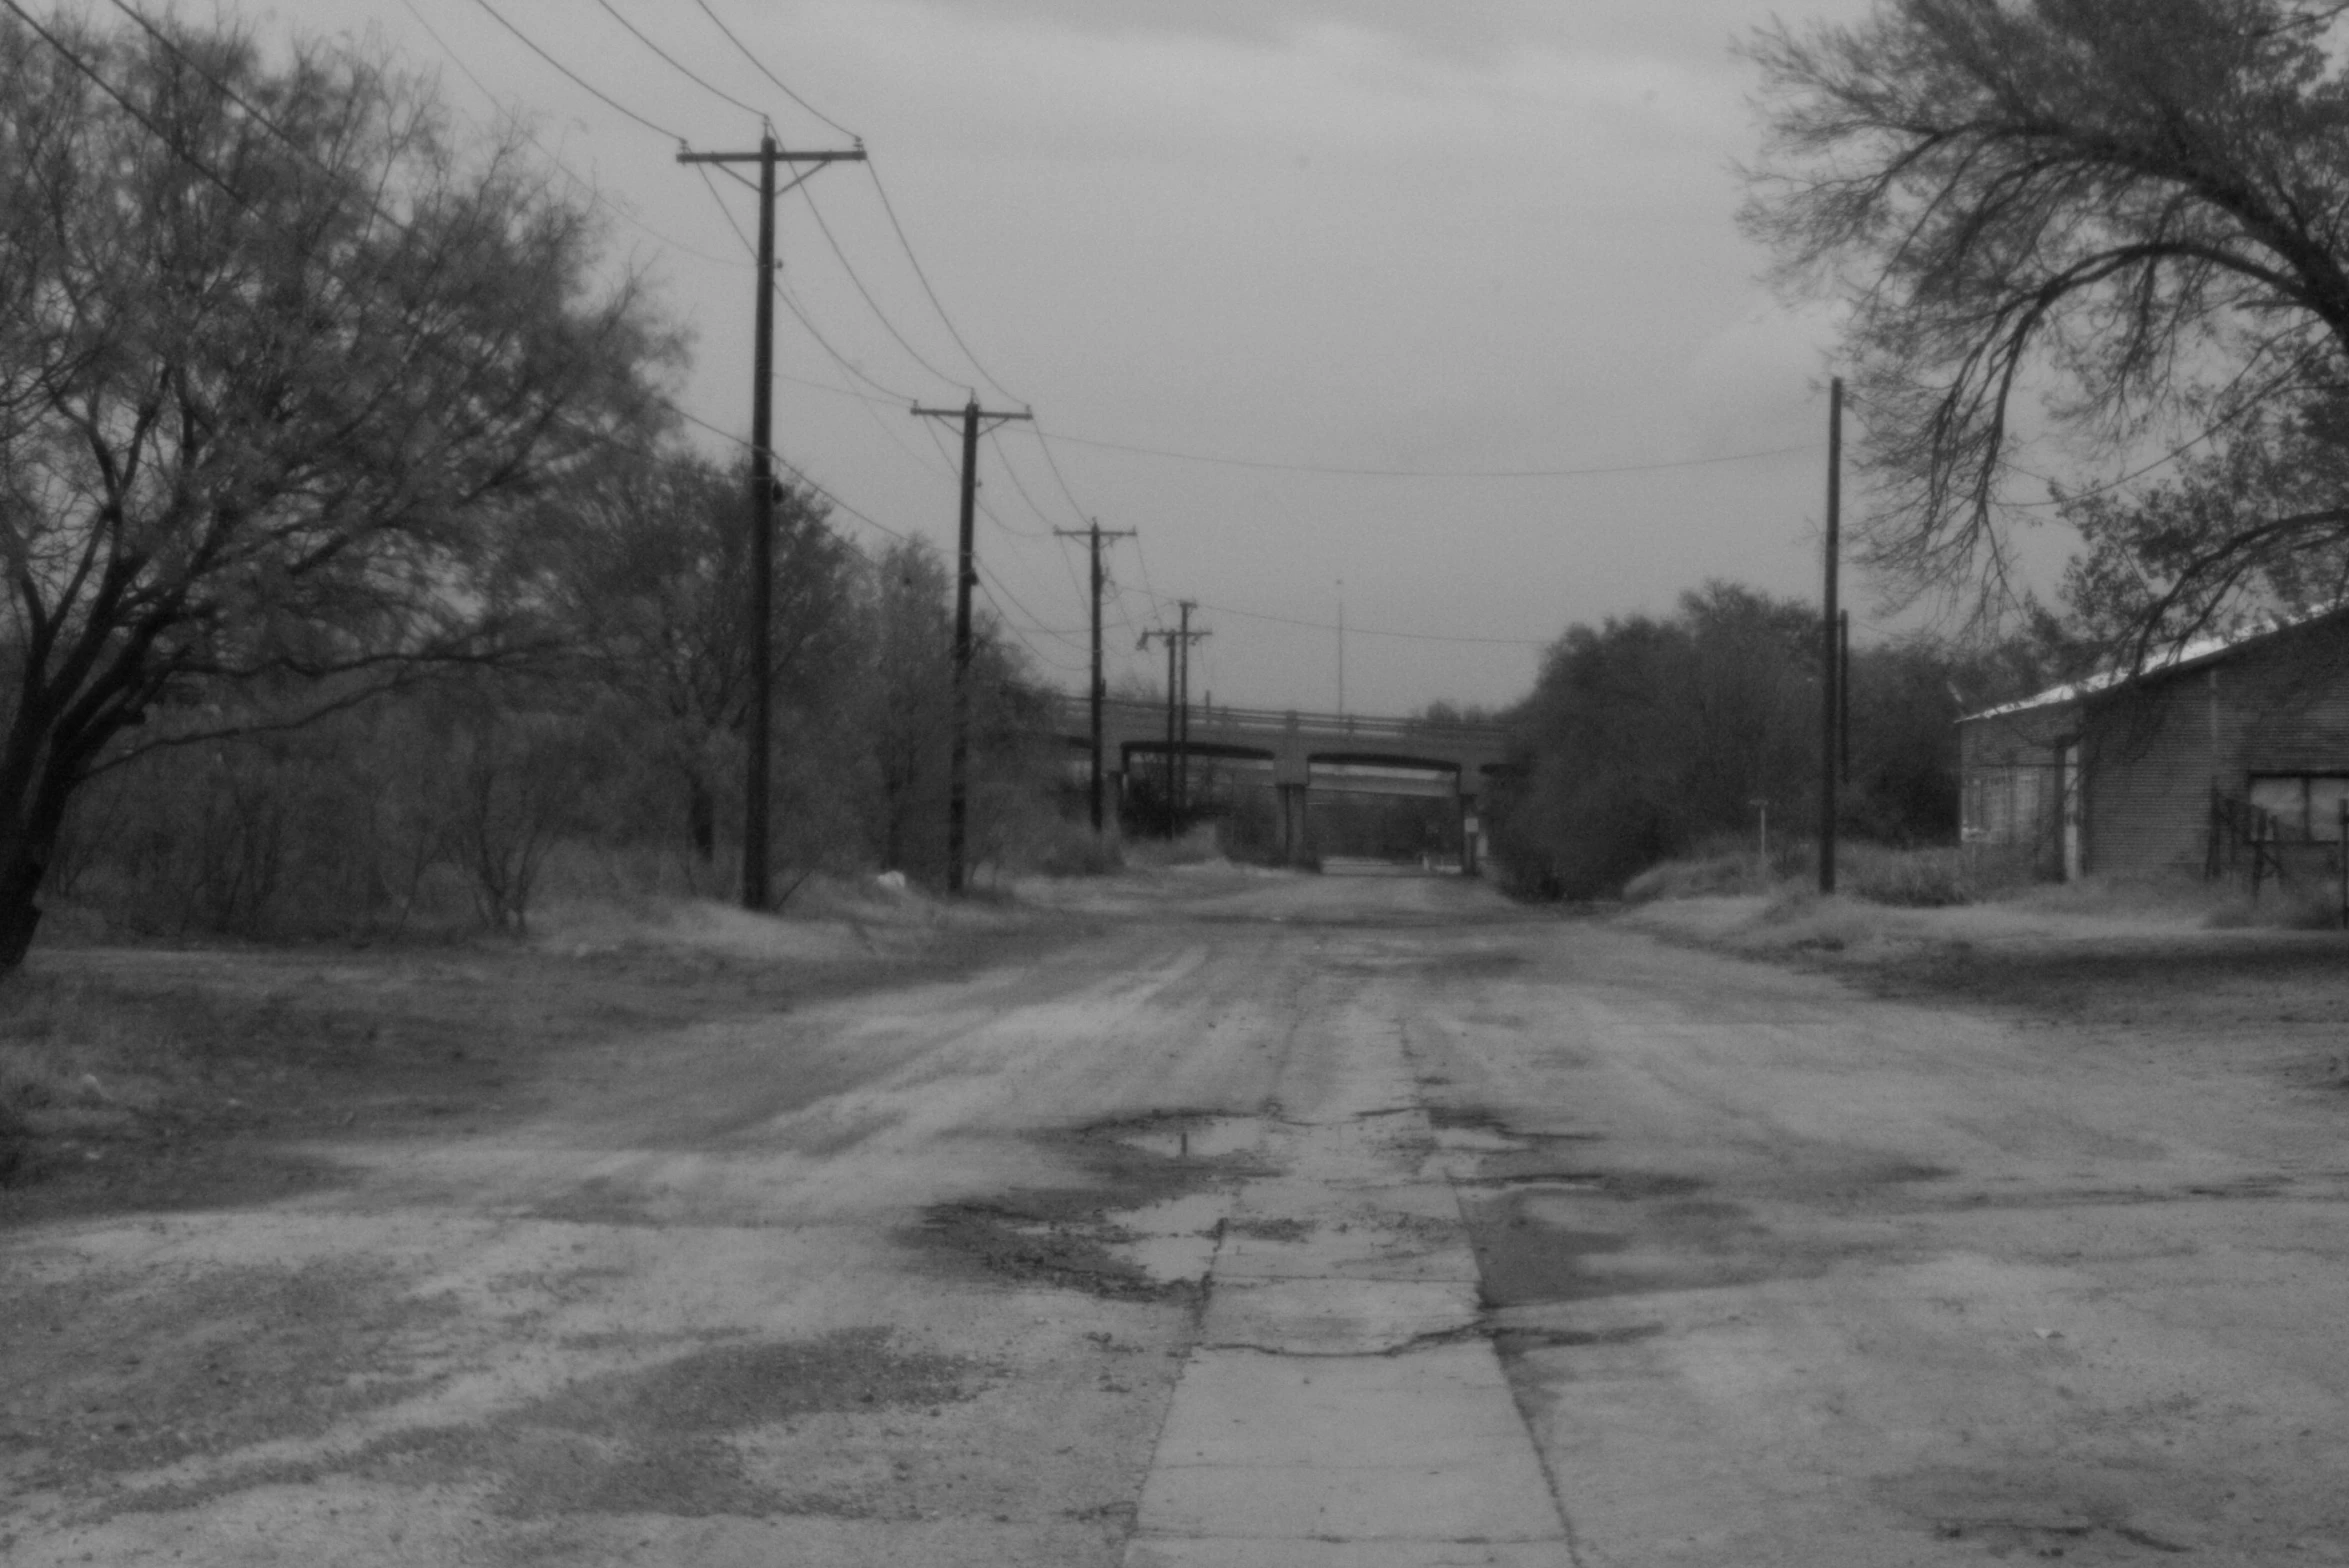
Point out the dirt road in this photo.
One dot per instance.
(1244, 1220)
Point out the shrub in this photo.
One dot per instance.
(1712, 876)
(1076, 851)
(1909, 878)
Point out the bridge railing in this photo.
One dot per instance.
(1280, 720)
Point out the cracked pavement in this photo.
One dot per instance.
(1247, 1220)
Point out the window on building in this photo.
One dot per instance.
(2305, 805)
(2005, 804)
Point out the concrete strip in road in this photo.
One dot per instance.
(1335, 1317)
(1334, 1413)
(1230, 1552)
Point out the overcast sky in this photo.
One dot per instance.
(1448, 235)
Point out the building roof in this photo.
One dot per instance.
(2173, 660)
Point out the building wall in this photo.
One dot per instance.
(2270, 712)
(2276, 707)
(2010, 799)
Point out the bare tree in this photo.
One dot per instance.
(279, 369)
(649, 573)
(2131, 216)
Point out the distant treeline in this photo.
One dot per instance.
(613, 734)
(1647, 739)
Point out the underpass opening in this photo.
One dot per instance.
(1379, 814)
(1208, 782)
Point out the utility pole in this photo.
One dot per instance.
(1100, 688)
(762, 506)
(966, 578)
(1843, 697)
(1171, 640)
(1830, 660)
(1341, 647)
(1183, 705)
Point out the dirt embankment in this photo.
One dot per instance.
(2145, 985)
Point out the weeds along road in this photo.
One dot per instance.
(1242, 1221)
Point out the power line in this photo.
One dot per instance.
(711, 186)
(1053, 463)
(915, 261)
(896, 224)
(1004, 454)
(1353, 630)
(1027, 647)
(1020, 484)
(83, 67)
(867, 406)
(1157, 601)
(799, 314)
(531, 45)
(799, 474)
(879, 314)
(1035, 621)
(546, 152)
(1438, 473)
(674, 63)
(132, 109)
(780, 85)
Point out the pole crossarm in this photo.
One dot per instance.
(999, 417)
(779, 155)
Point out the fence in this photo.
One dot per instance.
(2248, 839)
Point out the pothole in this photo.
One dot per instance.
(1084, 1251)
(1144, 1225)
(1174, 1239)
(1186, 1135)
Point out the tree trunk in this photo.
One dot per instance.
(33, 819)
(20, 910)
(701, 819)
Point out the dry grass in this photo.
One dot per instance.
(1195, 848)
(1872, 873)
(1907, 878)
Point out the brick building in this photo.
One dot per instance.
(2222, 742)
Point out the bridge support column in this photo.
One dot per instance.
(1296, 849)
(1471, 830)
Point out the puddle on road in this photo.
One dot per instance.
(1191, 1137)
(1173, 1239)
(1142, 1227)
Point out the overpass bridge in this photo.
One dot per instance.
(1341, 752)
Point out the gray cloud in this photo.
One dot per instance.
(1468, 29)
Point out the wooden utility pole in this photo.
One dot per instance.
(1830, 660)
(1183, 706)
(1843, 697)
(966, 578)
(1168, 638)
(1100, 687)
(1341, 647)
(763, 490)
(1178, 707)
